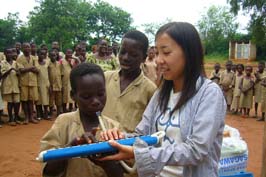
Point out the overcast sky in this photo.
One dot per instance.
(142, 11)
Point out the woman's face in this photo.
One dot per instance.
(170, 58)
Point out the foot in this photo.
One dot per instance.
(19, 122)
(12, 123)
(1, 126)
(261, 119)
(34, 121)
(25, 122)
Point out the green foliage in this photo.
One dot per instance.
(257, 23)
(8, 30)
(68, 22)
(150, 29)
(216, 28)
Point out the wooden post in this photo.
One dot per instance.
(263, 167)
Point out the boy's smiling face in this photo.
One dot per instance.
(131, 55)
(90, 94)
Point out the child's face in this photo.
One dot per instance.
(33, 47)
(53, 56)
(217, 67)
(151, 53)
(248, 71)
(69, 54)
(90, 94)
(260, 68)
(26, 49)
(9, 54)
(239, 69)
(42, 55)
(228, 66)
(130, 55)
(170, 58)
(103, 46)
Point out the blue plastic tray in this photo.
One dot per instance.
(242, 174)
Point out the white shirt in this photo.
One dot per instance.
(171, 126)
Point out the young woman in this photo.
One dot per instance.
(188, 107)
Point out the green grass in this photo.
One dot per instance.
(215, 58)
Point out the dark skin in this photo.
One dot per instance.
(131, 56)
(90, 97)
(41, 61)
(102, 50)
(217, 69)
(248, 76)
(9, 53)
(257, 80)
(68, 57)
(28, 105)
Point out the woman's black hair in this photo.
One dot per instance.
(187, 37)
(83, 69)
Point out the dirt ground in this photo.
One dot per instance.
(19, 146)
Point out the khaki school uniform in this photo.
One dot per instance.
(149, 69)
(214, 74)
(55, 78)
(66, 69)
(263, 93)
(2, 56)
(127, 107)
(43, 84)
(246, 100)
(257, 89)
(65, 128)
(10, 86)
(28, 81)
(226, 82)
(236, 92)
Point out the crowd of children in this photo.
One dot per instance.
(241, 87)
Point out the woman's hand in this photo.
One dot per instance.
(125, 152)
(112, 134)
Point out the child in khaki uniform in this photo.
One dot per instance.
(71, 129)
(28, 82)
(55, 79)
(66, 69)
(263, 97)
(226, 82)
(246, 87)
(257, 87)
(216, 74)
(43, 86)
(236, 84)
(149, 67)
(128, 90)
(10, 87)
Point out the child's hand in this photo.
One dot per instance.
(112, 134)
(86, 138)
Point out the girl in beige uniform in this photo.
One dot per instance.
(246, 96)
(43, 86)
(237, 80)
(226, 82)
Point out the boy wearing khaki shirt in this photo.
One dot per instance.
(10, 87)
(28, 82)
(128, 90)
(55, 78)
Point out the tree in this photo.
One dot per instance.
(150, 29)
(64, 21)
(109, 21)
(8, 30)
(70, 21)
(257, 24)
(217, 26)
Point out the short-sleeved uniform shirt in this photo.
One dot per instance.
(127, 107)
